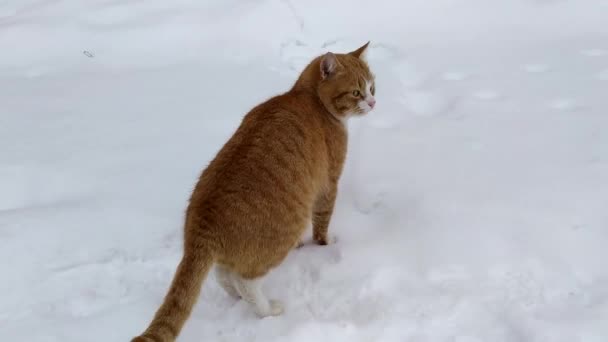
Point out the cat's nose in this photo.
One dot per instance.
(371, 102)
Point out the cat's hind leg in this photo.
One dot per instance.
(251, 291)
(226, 279)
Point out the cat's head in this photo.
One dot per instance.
(346, 85)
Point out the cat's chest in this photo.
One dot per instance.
(337, 144)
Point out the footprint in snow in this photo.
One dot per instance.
(7, 12)
(427, 103)
(410, 76)
(565, 104)
(536, 68)
(464, 338)
(602, 75)
(487, 95)
(594, 52)
(454, 76)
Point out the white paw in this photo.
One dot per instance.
(275, 308)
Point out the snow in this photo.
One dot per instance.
(472, 207)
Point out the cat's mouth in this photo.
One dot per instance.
(366, 107)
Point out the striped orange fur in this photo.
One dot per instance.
(278, 172)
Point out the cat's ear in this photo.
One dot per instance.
(360, 52)
(329, 64)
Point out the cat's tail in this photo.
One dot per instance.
(180, 299)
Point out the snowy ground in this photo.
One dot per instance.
(472, 208)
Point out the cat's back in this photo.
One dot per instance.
(272, 166)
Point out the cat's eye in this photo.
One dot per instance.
(356, 93)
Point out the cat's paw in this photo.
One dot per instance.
(275, 308)
(326, 240)
(299, 244)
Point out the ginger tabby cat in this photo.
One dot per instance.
(278, 172)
